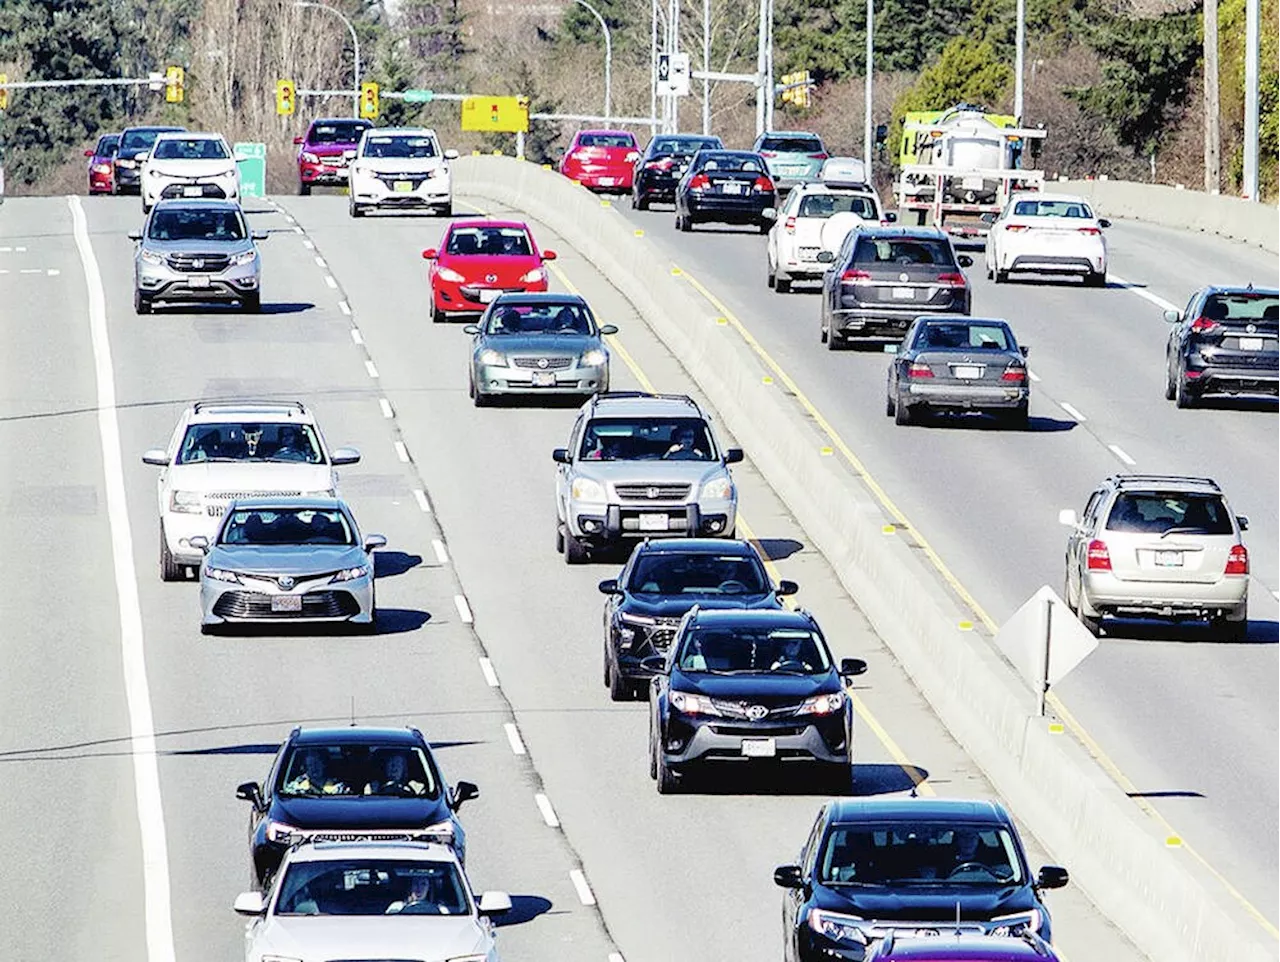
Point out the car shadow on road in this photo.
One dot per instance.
(1261, 405)
(776, 549)
(524, 908)
(1261, 632)
(286, 307)
(981, 422)
(534, 400)
(786, 778)
(222, 310)
(388, 564)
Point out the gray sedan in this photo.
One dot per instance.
(287, 559)
(958, 364)
(537, 344)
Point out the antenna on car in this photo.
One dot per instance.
(353, 711)
(958, 932)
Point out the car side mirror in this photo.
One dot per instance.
(733, 456)
(142, 155)
(1026, 351)
(825, 257)
(430, 254)
(788, 877)
(250, 903)
(157, 456)
(250, 792)
(988, 218)
(1243, 522)
(852, 666)
(495, 903)
(1103, 222)
(1052, 877)
(298, 140)
(560, 455)
(342, 456)
(472, 329)
(548, 255)
(374, 541)
(450, 154)
(891, 217)
(786, 588)
(89, 152)
(1067, 518)
(259, 235)
(654, 663)
(200, 542)
(609, 587)
(134, 235)
(608, 329)
(463, 792)
(1173, 317)
(964, 260)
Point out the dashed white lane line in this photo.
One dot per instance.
(442, 555)
(1072, 411)
(369, 366)
(1277, 594)
(157, 914)
(585, 895)
(490, 676)
(31, 270)
(53, 272)
(402, 452)
(464, 609)
(387, 411)
(1119, 453)
(328, 279)
(320, 262)
(421, 497)
(298, 230)
(1033, 375)
(356, 336)
(514, 739)
(1145, 294)
(616, 957)
(344, 307)
(308, 244)
(548, 813)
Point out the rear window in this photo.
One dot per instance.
(606, 140)
(729, 162)
(963, 336)
(684, 145)
(1245, 307)
(1161, 512)
(828, 205)
(904, 250)
(337, 132)
(107, 145)
(1052, 208)
(792, 145)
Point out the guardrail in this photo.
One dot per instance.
(1172, 910)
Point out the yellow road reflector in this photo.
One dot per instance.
(546, 166)
(1173, 841)
(766, 379)
(1057, 728)
(676, 272)
(497, 152)
(722, 321)
(888, 529)
(475, 153)
(826, 452)
(965, 626)
(606, 203)
(638, 232)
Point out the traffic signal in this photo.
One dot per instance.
(286, 98)
(796, 90)
(369, 100)
(4, 92)
(173, 80)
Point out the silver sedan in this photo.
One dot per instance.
(538, 344)
(287, 559)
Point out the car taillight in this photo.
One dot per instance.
(1205, 325)
(632, 156)
(1014, 374)
(1094, 231)
(852, 276)
(1237, 561)
(763, 184)
(1015, 228)
(790, 225)
(1099, 558)
(663, 163)
(820, 155)
(768, 153)
(952, 280)
(699, 181)
(919, 369)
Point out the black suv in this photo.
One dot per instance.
(908, 866)
(749, 686)
(339, 784)
(662, 580)
(663, 164)
(883, 278)
(135, 144)
(1223, 343)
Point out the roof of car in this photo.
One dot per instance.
(818, 187)
(640, 404)
(271, 411)
(942, 809)
(960, 319)
(188, 135)
(932, 233)
(415, 851)
(357, 735)
(286, 501)
(1240, 289)
(343, 120)
(487, 222)
(1163, 482)
(163, 128)
(1043, 195)
(987, 948)
(196, 203)
(403, 131)
(607, 130)
(718, 546)
(752, 617)
(539, 297)
(790, 133)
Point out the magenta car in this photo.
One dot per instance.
(102, 167)
(322, 159)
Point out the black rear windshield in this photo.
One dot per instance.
(1160, 513)
(1245, 307)
(792, 145)
(107, 145)
(337, 132)
(906, 251)
(713, 162)
(661, 573)
(684, 146)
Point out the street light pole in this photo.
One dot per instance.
(866, 124)
(653, 70)
(706, 66)
(1020, 41)
(355, 44)
(608, 60)
(1252, 14)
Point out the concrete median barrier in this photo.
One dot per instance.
(1171, 907)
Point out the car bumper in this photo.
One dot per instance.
(255, 603)
(153, 191)
(1106, 592)
(494, 379)
(268, 854)
(608, 179)
(656, 186)
(160, 283)
(1084, 262)
(721, 739)
(747, 209)
(966, 396)
(612, 523)
(100, 184)
(1211, 379)
(127, 177)
(883, 320)
(180, 528)
(425, 192)
(451, 297)
(322, 174)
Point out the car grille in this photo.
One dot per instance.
(202, 263)
(315, 604)
(544, 363)
(747, 731)
(233, 495)
(661, 637)
(375, 835)
(206, 190)
(738, 709)
(652, 492)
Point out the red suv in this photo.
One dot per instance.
(602, 160)
(480, 259)
(322, 153)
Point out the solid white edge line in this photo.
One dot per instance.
(320, 262)
(421, 497)
(490, 675)
(297, 229)
(308, 244)
(344, 307)
(146, 773)
(328, 279)
(402, 452)
(356, 336)
(442, 555)
(1033, 375)
(616, 957)
(369, 366)
(548, 813)
(1145, 294)
(579, 880)
(387, 411)
(464, 609)
(1119, 453)
(1072, 411)
(513, 739)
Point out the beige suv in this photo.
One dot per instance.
(1155, 546)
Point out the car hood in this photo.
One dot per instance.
(199, 245)
(363, 811)
(926, 903)
(508, 268)
(429, 937)
(287, 559)
(541, 344)
(675, 606)
(646, 472)
(245, 479)
(762, 689)
(191, 168)
(335, 149)
(398, 165)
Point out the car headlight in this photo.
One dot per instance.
(244, 257)
(636, 619)
(102, 168)
(280, 832)
(450, 275)
(351, 574)
(186, 502)
(594, 358)
(719, 488)
(690, 704)
(468, 958)
(535, 276)
(222, 574)
(493, 358)
(822, 704)
(1016, 923)
(837, 928)
(126, 163)
(309, 158)
(151, 257)
(587, 489)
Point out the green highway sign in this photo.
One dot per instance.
(251, 161)
(418, 96)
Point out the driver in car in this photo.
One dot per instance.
(685, 447)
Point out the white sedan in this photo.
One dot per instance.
(815, 218)
(1048, 234)
(183, 164)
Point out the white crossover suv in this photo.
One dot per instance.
(400, 167)
(185, 164)
(224, 450)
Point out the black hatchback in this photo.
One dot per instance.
(751, 687)
(661, 581)
(726, 187)
(664, 163)
(1224, 343)
(882, 278)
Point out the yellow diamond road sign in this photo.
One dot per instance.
(501, 114)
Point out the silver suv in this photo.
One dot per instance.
(1158, 546)
(641, 465)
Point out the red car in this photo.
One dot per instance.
(602, 159)
(480, 259)
(322, 153)
(102, 167)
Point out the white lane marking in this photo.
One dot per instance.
(402, 452)
(297, 229)
(490, 676)
(442, 555)
(373, 371)
(31, 270)
(513, 739)
(357, 336)
(1072, 411)
(320, 262)
(20, 250)
(616, 957)
(309, 245)
(1277, 594)
(387, 411)
(1033, 375)
(585, 895)
(328, 279)
(3, 271)
(421, 497)
(1145, 294)
(146, 773)
(6, 250)
(464, 609)
(548, 813)
(1119, 453)
(344, 307)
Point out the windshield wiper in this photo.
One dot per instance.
(1183, 530)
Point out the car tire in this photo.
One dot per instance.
(1001, 277)
(304, 190)
(832, 340)
(368, 629)
(770, 279)
(783, 285)
(575, 550)
(1170, 389)
(1181, 396)
(559, 537)
(355, 210)
(251, 303)
(903, 416)
(208, 629)
(620, 688)
(446, 210)
(1093, 623)
(1229, 630)
(890, 406)
(141, 303)
(437, 315)
(765, 226)
(653, 755)
(1095, 279)
(668, 781)
(639, 202)
(481, 400)
(170, 570)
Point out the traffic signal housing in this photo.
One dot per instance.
(174, 78)
(796, 88)
(4, 92)
(286, 98)
(369, 100)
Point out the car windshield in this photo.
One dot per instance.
(1052, 208)
(286, 526)
(921, 853)
(107, 145)
(405, 148)
(964, 337)
(245, 441)
(366, 886)
(491, 241)
(683, 145)
(792, 145)
(828, 205)
(1243, 307)
(728, 162)
(136, 141)
(647, 439)
(663, 573)
(743, 649)
(606, 140)
(539, 319)
(358, 769)
(903, 250)
(1165, 512)
(190, 148)
(189, 223)
(337, 132)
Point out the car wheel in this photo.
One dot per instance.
(903, 415)
(368, 629)
(1001, 277)
(1233, 630)
(890, 406)
(575, 550)
(1066, 594)
(668, 781)
(639, 202)
(1091, 622)
(1181, 396)
(620, 688)
(304, 190)
(765, 226)
(251, 303)
(831, 339)
(1096, 279)
(770, 279)
(209, 629)
(1170, 389)
(355, 210)
(784, 285)
(437, 315)
(559, 537)
(170, 570)
(141, 303)
(683, 224)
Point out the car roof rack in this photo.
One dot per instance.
(1123, 479)
(248, 402)
(613, 395)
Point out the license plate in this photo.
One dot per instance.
(653, 522)
(732, 187)
(608, 181)
(904, 293)
(197, 280)
(403, 186)
(488, 295)
(544, 379)
(193, 191)
(286, 602)
(967, 372)
(1169, 559)
(1251, 344)
(971, 183)
(759, 748)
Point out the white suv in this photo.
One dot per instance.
(400, 167)
(223, 450)
(185, 164)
